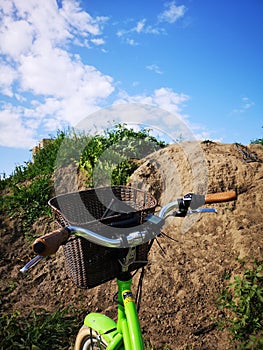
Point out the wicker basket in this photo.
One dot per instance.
(89, 264)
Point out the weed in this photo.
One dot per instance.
(244, 299)
(28, 201)
(38, 331)
(258, 141)
(108, 157)
(207, 142)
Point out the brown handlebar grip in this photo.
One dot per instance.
(220, 197)
(49, 244)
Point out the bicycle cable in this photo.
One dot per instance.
(139, 290)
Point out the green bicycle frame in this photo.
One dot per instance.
(126, 333)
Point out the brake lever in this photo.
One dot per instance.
(31, 263)
(193, 211)
(201, 210)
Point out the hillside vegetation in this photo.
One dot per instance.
(205, 292)
(27, 191)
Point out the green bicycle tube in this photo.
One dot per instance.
(122, 285)
(134, 325)
(116, 343)
(126, 335)
(127, 310)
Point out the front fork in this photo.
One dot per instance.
(128, 321)
(126, 334)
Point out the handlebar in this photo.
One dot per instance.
(194, 201)
(220, 197)
(49, 244)
(190, 203)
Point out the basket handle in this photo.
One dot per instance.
(49, 244)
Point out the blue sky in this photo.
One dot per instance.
(63, 60)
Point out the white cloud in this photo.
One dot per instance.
(140, 26)
(63, 78)
(164, 98)
(245, 105)
(81, 21)
(7, 76)
(172, 12)
(161, 109)
(142, 111)
(6, 6)
(98, 41)
(170, 15)
(15, 37)
(169, 100)
(38, 38)
(155, 68)
(14, 132)
(131, 42)
(51, 86)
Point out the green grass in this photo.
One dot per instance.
(243, 298)
(38, 331)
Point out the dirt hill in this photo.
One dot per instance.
(185, 277)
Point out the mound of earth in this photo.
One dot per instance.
(185, 273)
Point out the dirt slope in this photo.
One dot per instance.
(182, 280)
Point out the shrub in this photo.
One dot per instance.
(38, 331)
(244, 299)
(110, 156)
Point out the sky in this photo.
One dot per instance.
(63, 60)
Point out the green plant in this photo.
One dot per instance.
(258, 141)
(244, 299)
(207, 142)
(110, 155)
(38, 331)
(28, 201)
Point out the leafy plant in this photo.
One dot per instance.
(258, 141)
(28, 201)
(109, 157)
(244, 299)
(38, 331)
(207, 142)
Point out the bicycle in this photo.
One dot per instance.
(106, 234)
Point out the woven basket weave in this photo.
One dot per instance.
(89, 264)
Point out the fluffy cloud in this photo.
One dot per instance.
(45, 80)
(172, 12)
(7, 76)
(13, 130)
(49, 83)
(164, 98)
